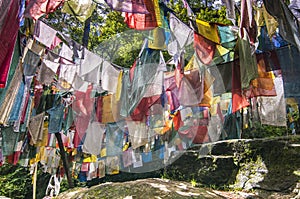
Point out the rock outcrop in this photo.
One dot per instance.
(262, 165)
(266, 168)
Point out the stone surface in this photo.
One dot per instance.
(267, 164)
(150, 189)
(266, 168)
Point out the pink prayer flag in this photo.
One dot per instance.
(131, 6)
(37, 8)
(127, 157)
(85, 166)
(8, 36)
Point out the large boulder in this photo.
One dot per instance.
(148, 189)
(256, 164)
(268, 168)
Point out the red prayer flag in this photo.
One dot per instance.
(142, 21)
(205, 49)
(239, 101)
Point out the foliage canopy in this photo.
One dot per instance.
(110, 37)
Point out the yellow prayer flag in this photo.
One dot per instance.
(119, 86)
(157, 13)
(208, 30)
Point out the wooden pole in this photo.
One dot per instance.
(34, 181)
(64, 159)
(85, 39)
(242, 121)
